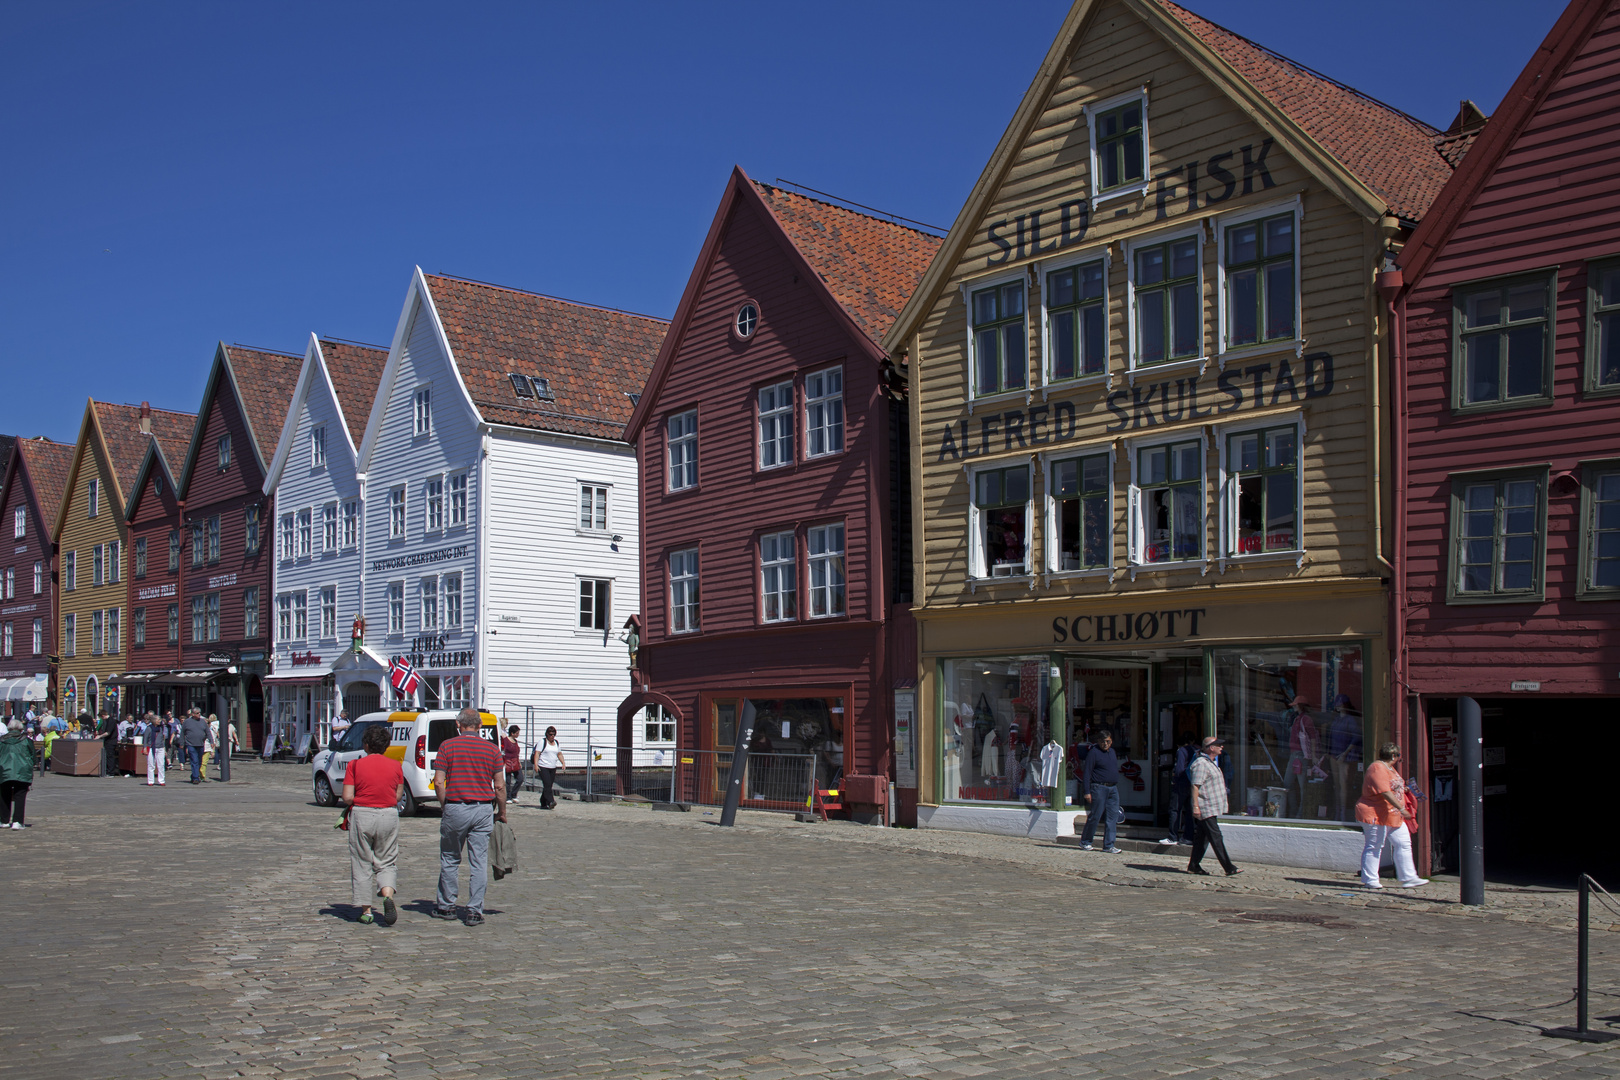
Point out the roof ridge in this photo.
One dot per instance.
(882, 217)
(267, 352)
(547, 296)
(351, 341)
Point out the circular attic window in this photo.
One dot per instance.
(746, 322)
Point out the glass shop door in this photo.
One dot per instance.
(1116, 696)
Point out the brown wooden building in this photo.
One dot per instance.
(774, 507)
(31, 489)
(1507, 458)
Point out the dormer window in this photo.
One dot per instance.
(520, 385)
(746, 321)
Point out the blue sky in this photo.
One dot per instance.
(178, 173)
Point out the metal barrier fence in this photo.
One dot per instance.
(770, 781)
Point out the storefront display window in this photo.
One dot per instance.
(995, 727)
(1110, 698)
(1295, 731)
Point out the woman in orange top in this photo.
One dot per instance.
(1381, 810)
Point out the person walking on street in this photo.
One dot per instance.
(371, 788)
(548, 758)
(512, 762)
(1100, 782)
(194, 736)
(467, 777)
(107, 729)
(1383, 817)
(16, 775)
(211, 747)
(152, 737)
(1208, 804)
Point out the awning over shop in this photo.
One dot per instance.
(297, 678)
(27, 688)
(166, 678)
(136, 678)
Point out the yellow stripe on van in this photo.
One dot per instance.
(395, 752)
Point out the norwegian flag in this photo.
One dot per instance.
(404, 677)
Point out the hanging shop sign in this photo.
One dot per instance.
(221, 658)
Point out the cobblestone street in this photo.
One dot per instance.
(205, 932)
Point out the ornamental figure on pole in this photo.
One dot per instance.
(357, 635)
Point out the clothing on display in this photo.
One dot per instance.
(989, 757)
(1051, 765)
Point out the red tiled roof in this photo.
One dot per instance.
(355, 370)
(1392, 153)
(49, 464)
(593, 358)
(266, 381)
(871, 266)
(126, 442)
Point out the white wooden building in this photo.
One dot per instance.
(500, 547)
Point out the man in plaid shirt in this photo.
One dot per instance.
(1208, 803)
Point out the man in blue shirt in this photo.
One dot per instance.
(1100, 783)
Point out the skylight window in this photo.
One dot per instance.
(520, 385)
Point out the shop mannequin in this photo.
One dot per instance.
(954, 742)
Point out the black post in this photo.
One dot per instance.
(739, 764)
(224, 749)
(1580, 959)
(1471, 798)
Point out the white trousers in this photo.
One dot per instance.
(154, 765)
(1372, 853)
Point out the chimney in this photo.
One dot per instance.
(146, 418)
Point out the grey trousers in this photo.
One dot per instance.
(373, 851)
(469, 824)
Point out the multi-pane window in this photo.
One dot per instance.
(1080, 489)
(328, 612)
(683, 591)
(824, 412)
(778, 567)
(300, 614)
(351, 523)
(304, 538)
(97, 572)
(1262, 491)
(197, 619)
(428, 591)
(1600, 539)
(174, 551)
(776, 425)
(287, 536)
(396, 607)
(174, 624)
(1000, 339)
(423, 423)
(70, 634)
(39, 636)
(115, 641)
(1001, 529)
(594, 597)
(1504, 343)
(284, 617)
(1167, 503)
(199, 543)
(224, 452)
(1168, 307)
(1119, 139)
(250, 612)
(115, 562)
(329, 527)
(396, 513)
(70, 571)
(455, 691)
(450, 596)
(593, 507)
(317, 447)
(658, 725)
(140, 557)
(11, 583)
(97, 630)
(1077, 320)
(137, 631)
(93, 497)
(19, 523)
(1498, 525)
(682, 440)
(458, 499)
(433, 504)
(1260, 281)
(5, 640)
(39, 577)
(1603, 336)
(824, 546)
(250, 530)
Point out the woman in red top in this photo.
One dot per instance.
(372, 787)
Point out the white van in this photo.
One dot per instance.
(414, 743)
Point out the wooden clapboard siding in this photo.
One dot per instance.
(1547, 201)
(35, 474)
(155, 512)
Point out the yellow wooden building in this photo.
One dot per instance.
(1146, 383)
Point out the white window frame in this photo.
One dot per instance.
(300, 612)
(1090, 255)
(137, 628)
(687, 443)
(285, 534)
(826, 400)
(775, 448)
(11, 583)
(317, 447)
(1200, 360)
(98, 573)
(456, 500)
(19, 523)
(422, 411)
(1049, 461)
(396, 606)
(433, 504)
(39, 576)
(1228, 488)
(328, 622)
(450, 599)
(174, 623)
(657, 726)
(968, 288)
(305, 533)
(812, 559)
(1135, 526)
(593, 496)
(5, 640)
(223, 447)
(1219, 225)
(351, 523)
(115, 562)
(251, 607)
(396, 512)
(1094, 176)
(427, 602)
(596, 590)
(39, 637)
(978, 565)
(788, 564)
(329, 527)
(93, 494)
(688, 580)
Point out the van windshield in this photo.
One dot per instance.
(438, 731)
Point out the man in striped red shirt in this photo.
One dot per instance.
(471, 785)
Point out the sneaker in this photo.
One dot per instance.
(390, 911)
(1418, 884)
(444, 912)
(366, 917)
(474, 918)
(1085, 847)
(1113, 851)
(1168, 840)
(1373, 888)
(16, 824)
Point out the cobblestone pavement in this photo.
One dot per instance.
(204, 932)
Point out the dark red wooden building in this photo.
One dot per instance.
(1507, 460)
(31, 488)
(775, 498)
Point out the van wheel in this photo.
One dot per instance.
(324, 795)
(407, 803)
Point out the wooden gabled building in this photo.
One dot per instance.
(36, 475)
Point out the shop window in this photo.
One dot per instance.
(1001, 521)
(1503, 344)
(682, 448)
(1257, 263)
(1603, 330)
(1295, 730)
(1119, 145)
(824, 547)
(1077, 321)
(140, 557)
(1167, 503)
(776, 425)
(1498, 526)
(996, 726)
(657, 726)
(1167, 301)
(683, 591)
(798, 744)
(778, 568)
(824, 412)
(1600, 529)
(1082, 492)
(999, 343)
(595, 608)
(1262, 491)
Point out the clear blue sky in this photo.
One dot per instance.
(177, 173)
